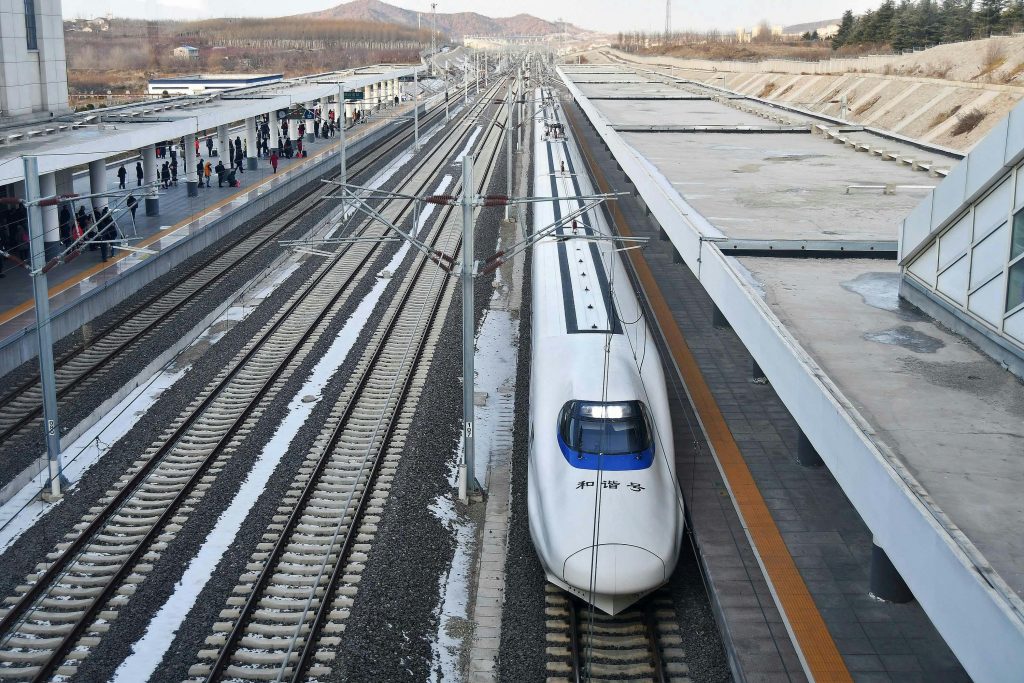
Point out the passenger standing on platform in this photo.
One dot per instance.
(273, 160)
(200, 167)
(316, 128)
(209, 146)
(121, 175)
(3, 240)
(139, 173)
(65, 221)
(197, 145)
(174, 154)
(231, 149)
(165, 175)
(132, 204)
(21, 244)
(207, 172)
(174, 171)
(219, 169)
(239, 158)
(104, 232)
(298, 147)
(82, 218)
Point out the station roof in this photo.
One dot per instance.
(921, 429)
(193, 79)
(78, 139)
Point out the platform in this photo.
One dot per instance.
(919, 429)
(180, 217)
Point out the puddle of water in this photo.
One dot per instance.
(879, 290)
(908, 338)
(791, 156)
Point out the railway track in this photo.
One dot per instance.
(642, 643)
(63, 610)
(289, 609)
(77, 370)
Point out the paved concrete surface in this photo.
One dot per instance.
(781, 185)
(952, 415)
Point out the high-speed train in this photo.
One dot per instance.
(605, 512)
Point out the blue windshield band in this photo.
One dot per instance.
(608, 463)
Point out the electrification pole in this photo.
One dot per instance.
(341, 141)
(44, 335)
(468, 324)
(416, 109)
(433, 33)
(508, 150)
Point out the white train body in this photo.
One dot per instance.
(606, 515)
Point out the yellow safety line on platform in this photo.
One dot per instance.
(813, 640)
(28, 305)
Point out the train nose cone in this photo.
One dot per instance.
(620, 569)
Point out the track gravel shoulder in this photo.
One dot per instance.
(390, 633)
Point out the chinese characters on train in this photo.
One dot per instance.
(609, 484)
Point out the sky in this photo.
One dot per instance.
(600, 15)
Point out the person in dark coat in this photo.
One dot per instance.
(83, 219)
(219, 169)
(64, 222)
(3, 239)
(174, 171)
(209, 146)
(106, 232)
(316, 128)
(200, 167)
(139, 175)
(133, 205)
(121, 175)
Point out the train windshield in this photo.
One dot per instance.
(605, 428)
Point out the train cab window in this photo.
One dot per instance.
(618, 428)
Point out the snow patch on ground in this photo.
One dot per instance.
(496, 351)
(24, 509)
(149, 650)
(469, 144)
(453, 608)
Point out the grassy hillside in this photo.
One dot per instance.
(130, 52)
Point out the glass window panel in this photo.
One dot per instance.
(1017, 246)
(1015, 289)
(30, 25)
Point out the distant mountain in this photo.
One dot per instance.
(455, 25)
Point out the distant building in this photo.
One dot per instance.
(186, 52)
(202, 83)
(745, 35)
(33, 66)
(826, 29)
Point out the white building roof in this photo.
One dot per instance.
(135, 126)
